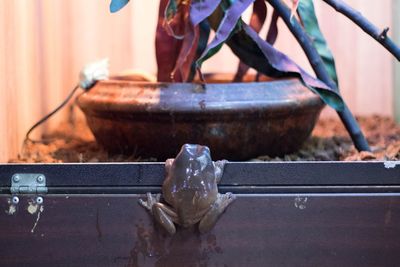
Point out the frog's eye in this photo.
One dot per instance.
(203, 160)
(206, 149)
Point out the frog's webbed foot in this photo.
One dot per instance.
(151, 200)
(163, 214)
(219, 206)
(219, 169)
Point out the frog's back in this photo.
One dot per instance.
(197, 189)
(190, 186)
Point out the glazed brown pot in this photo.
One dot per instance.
(238, 121)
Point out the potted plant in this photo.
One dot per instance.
(236, 120)
(353, 205)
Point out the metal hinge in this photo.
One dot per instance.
(28, 183)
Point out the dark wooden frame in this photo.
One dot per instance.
(239, 177)
(286, 214)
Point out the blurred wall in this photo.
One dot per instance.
(44, 44)
(396, 21)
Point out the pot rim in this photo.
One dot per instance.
(125, 96)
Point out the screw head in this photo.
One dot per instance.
(40, 179)
(39, 200)
(15, 200)
(16, 178)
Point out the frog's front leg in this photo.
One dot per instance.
(219, 169)
(163, 214)
(219, 206)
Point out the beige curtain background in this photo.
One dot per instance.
(44, 44)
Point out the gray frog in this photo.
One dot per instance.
(190, 189)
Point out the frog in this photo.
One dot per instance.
(190, 190)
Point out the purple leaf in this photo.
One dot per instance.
(259, 15)
(199, 11)
(280, 61)
(225, 28)
(284, 64)
(257, 20)
(167, 47)
(273, 28)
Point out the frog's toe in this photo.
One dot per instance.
(229, 197)
(211, 217)
(157, 198)
(225, 199)
(151, 200)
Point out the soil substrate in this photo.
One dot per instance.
(73, 142)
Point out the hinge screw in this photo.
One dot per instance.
(40, 179)
(16, 178)
(39, 200)
(15, 200)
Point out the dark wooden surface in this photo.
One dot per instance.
(257, 230)
(235, 173)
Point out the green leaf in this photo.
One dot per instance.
(171, 9)
(307, 14)
(116, 5)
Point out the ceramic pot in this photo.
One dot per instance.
(238, 121)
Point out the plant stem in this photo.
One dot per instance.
(319, 68)
(379, 35)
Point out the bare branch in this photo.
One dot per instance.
(317, 64)
(378, 34)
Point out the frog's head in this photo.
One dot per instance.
(194, 158)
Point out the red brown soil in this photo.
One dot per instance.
(330, 141)
(73, 142)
